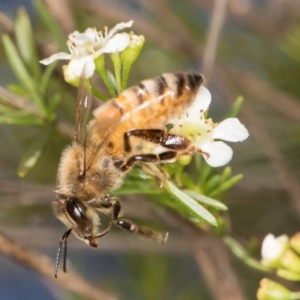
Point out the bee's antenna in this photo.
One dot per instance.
(64, 238)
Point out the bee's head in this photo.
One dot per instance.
(85, 220)
(79, 218)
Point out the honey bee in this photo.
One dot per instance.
(127, 130)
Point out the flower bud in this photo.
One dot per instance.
(273, 249)
(288, 275)
(69, 76)
(295, 242)
(290, 261)
(270, 290)
(130, 54)
(185, 160)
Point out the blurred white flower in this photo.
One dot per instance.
(273, 248)
(86, 47)
(205, 134)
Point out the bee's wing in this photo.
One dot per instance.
(99, 133)
(83, 109)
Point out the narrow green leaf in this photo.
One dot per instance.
(26, 43)
(98, 94)
(187, 180)
(46, 78)
(100, 70)
(212, 183)
(239, 251)
(19, 117)
(17, 89)
(206, 200)
(17, 65)
(235, 108)
(116, 59)
(225, 174)
(226, 185)
(34, 152)
(54, 101)
(204, 172)
(191, 206)
(21, 121)
(21, 72)
(138, 187)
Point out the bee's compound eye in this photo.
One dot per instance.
(75, 209)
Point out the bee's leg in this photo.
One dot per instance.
(114, 204)
(147, 158)
(157, 136)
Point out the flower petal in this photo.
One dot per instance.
(231, 130)
(54, 57)
(78, 66)
(219, 153)
(200, 104)
(116, 44)
(80, 39)
(119, 27)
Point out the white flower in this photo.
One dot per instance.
(86, 47)
(203, 132)
(272, 248)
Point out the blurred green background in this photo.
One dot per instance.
(257, 56)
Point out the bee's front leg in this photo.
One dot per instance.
(114, 204)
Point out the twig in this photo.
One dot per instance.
(42, 265)
(214, 30)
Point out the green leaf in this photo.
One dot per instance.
(55, 100)
(46, 77)
(50, 23)
(26, 43)
(204, 172)
(225, 174)
(135, 184)
(206, 200)
(116, 59)
(239, 251)
(17, 89)
(187, 181)
(191, 206)
(100, 70)
(226, 185)
(21, 72)
(211, 183)
(34, 152)
(19, 117)
(235, 108)
(98, 94)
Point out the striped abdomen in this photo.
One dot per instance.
(150, 105)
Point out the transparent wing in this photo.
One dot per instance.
(83, 109)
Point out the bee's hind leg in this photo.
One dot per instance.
(146, 158)
(127, 225)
